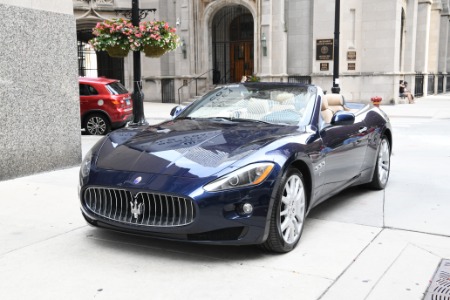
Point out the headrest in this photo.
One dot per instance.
(284, 96)
(335, 99)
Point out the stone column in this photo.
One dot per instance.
(423, 39)
(444, 40)
(266, 32)
(434, 42)
(38, 88)
(300, 39)
(409, 64)
(278, 41)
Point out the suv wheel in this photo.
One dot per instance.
(96, 124)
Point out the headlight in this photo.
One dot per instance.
(86, 165)
(249, 175)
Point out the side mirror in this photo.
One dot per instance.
(343, 118)
(176, 111)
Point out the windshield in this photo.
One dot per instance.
(116, 88)
(272, 103)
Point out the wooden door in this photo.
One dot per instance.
(241, 60)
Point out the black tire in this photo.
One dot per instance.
(288, 214)
(382, 167)
(96, 124)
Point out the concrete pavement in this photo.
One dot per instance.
(359, 245)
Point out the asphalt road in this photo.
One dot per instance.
(358, 245)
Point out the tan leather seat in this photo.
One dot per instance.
(325, 111)
(335, 102)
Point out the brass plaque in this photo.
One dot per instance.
(351, 55)
(324, 66)
(324, 49)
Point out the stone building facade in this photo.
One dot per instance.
(381, 42)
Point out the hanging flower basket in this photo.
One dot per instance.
(117, 52)
(117, 37)
(154, 51)
(376, 100)
(157, 38)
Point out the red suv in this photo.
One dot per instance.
(105, 104)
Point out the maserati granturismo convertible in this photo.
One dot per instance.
(243, 165)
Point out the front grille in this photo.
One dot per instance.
(143, 209)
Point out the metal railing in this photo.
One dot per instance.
(189, 82)
(300, 79)
(440, 85)
(447, 86)
(431, 80)
(418, 87)
(167, 91)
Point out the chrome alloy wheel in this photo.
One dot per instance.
(96, 126)
(383, 162)
(292, 209)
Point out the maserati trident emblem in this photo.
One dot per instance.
(136, 208)
(137, 180)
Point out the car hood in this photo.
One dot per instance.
(190, 148)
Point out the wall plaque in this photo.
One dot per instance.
(324, 66)
(351, 66)
(351, 55)
(324, 49)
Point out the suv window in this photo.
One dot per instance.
(116, 88)
(87, 90)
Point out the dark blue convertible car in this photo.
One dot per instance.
(242, 165)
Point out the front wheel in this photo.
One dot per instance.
(383, 166)
(288, 214)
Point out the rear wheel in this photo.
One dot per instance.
(288, 214)
(97, 124)
(383, 166)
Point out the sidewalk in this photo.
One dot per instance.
(359, 245)
(426, 107)
(157, 112)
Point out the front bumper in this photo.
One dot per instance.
(217, 217)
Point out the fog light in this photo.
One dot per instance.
(247, 208)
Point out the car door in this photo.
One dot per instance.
(88, 98)
(344, 148)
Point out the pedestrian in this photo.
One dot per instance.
(404, 92)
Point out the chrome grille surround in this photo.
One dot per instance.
(142, 209)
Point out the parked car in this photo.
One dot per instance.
(105, 104)
(242, 165)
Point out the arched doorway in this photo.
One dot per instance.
(232, 44)
(96, 64)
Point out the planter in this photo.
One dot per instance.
(376, 100)
(117, 52)
(154, 51)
